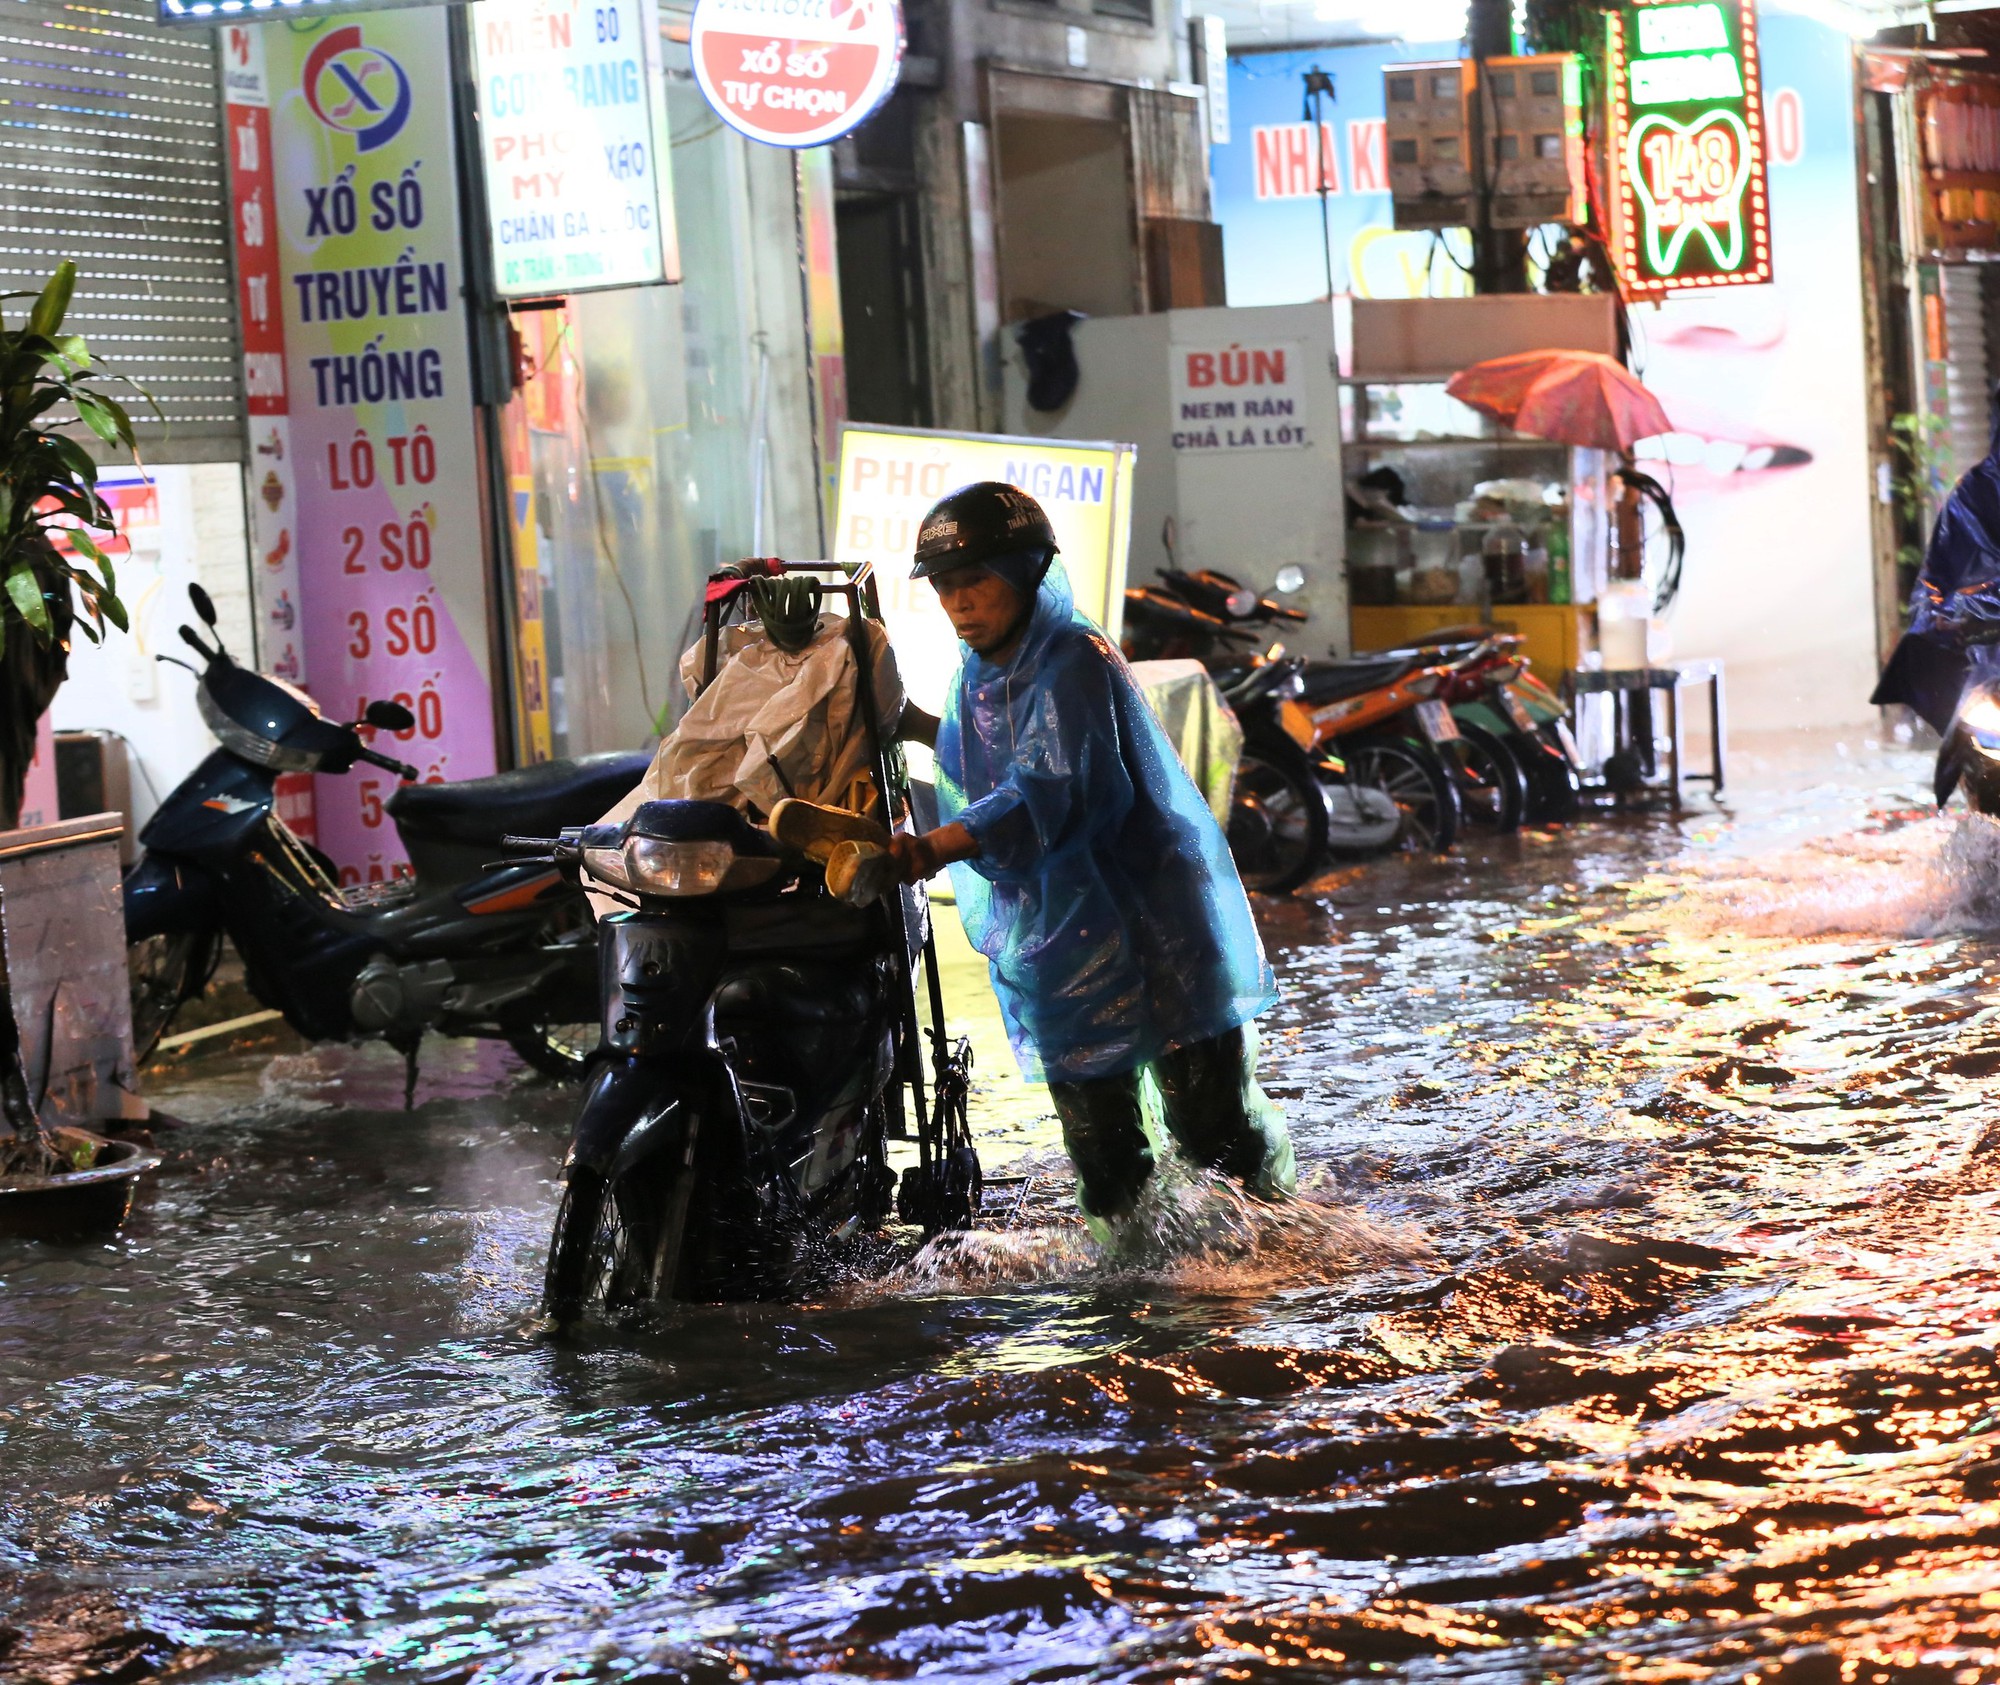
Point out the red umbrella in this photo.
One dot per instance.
(1572, 397)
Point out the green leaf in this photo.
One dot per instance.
(84, 545)
(53, 305)
(78, 460)
(98, 418)
(25, 591)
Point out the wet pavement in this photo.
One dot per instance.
(1639, 1325)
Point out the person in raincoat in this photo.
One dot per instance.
(1954, 633)
(1089, 870)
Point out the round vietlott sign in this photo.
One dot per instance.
(796, 72)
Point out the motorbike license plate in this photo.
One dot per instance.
(1437, 722)
(1517, 712)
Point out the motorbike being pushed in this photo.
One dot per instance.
(467, 946)
(759, 1035)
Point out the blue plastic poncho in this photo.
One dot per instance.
(1103, 894)
(1954, 631)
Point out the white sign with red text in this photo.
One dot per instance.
(796, 72)
(1240, 397)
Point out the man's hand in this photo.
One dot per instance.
(925, 856)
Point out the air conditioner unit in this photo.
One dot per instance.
(94, 775)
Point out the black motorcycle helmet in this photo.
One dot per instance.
(981, 523)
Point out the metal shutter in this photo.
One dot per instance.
(111, 153)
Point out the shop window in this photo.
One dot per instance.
(1403, 152)
(1402, 89)
(1139, 11)
(1506, 147)
(1503, 84)
(1544, 84)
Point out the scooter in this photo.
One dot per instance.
(1393, 757)
(1969, 756)
(466, 946)
(758, 1036)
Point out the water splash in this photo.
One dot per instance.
(1190, 1230)
(1936, 877)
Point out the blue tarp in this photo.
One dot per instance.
(1104, 895)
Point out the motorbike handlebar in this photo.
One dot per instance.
(387, 763)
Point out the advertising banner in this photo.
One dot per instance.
(392, 590)
(889, 476)
(1233, 397)
(273, 501)
(573, 118)
(1958, 130)
(796, 72)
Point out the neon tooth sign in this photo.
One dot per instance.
(1689, 207)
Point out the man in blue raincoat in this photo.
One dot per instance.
(1089, 870)
(1954, 631)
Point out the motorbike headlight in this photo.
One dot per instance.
(677, 868)
(1981, 716)
(239, 740)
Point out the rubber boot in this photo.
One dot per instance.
(1222, 1119)
(1104, 1132)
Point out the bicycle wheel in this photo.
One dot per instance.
(1278, 818)
(1492, 788)
(1412, 776)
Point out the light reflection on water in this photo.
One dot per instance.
(1642, 1330)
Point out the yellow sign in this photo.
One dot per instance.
(889, 476)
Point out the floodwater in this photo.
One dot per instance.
(1640, 1326)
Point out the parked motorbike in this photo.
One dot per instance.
(758, 1033)
(466, 946)
(1280, 812)
(1509, 718)
(1377, 729)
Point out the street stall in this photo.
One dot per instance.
(1455, 519)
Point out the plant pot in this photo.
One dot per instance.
(79, 1205)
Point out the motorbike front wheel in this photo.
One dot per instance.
(1555, 792)
(1493, 789)
(599, 1255)
(1412, 776)
(1277, 818)
(164, 972)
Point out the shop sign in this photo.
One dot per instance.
(1958, 125)
(1233, 398)
(573, 121)
(1689, 206)
(889, 478)
(796, 72)
(379, 439)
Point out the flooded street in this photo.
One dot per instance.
(1640, 1325)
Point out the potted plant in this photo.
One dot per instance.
(49, 385)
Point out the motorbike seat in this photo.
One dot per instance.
(530, 801)
(1329, 681)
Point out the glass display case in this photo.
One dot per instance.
(1455, 520)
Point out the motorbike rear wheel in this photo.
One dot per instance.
(1278, 816)
(165, 972)
(1411, 775)
(1493, 789)
(562, 1051)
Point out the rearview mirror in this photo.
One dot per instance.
(1241, 602)
(388, 716)
(1291, 579)
(204, 605)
